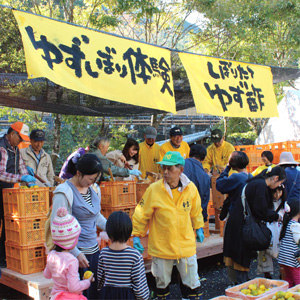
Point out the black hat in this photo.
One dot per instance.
(175, 131)
(37, 135)
(216, 135)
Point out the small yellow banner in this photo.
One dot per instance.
(97, 63)
(229, 88)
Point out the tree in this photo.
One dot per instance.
(264, 32)
(91, 13)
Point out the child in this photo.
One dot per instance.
(288, 247)
(121, 272)
(265, 258)
(62, 266)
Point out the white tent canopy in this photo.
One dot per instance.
(286, 127)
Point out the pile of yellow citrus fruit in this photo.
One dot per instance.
(254, 290)
(32, 187)
(283, 296)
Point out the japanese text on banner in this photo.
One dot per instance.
(230, 88)
(96, 63)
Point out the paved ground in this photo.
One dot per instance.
(212, 273)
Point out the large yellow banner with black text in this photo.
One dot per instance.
(229, 88)
(96, 63)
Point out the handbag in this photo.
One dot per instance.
(256, 235)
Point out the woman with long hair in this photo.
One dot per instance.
(237, 257)
(128, 157)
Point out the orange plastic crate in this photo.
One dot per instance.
(274, 285)
(269, 297)
(224, 298)
(25, 259)
(118, 193)
(106, 211)
(295, 289)
(25, 231)
(26, 202)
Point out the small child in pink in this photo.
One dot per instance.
(62, 266)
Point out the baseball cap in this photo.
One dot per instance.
(172, 158)
(37, 135)
(175, 131)
(150, 132)
(216, 135)
(22, 129)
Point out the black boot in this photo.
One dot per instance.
(195, 294)
(163, 294)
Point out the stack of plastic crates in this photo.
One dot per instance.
(25, 216)
(118, 195)
(254, 154)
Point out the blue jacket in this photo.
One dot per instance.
(193, 169)
(231, 185)
(292, 185)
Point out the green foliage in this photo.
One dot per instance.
(265, 32)
(119, 135)
(31, 118)
(11, 49)
(82, 129)
(239, 131)
(242, 138)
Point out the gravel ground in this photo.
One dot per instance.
(212, 273)
(213, 277)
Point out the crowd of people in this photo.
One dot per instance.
(172, 212)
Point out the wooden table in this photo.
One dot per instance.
(34, 285)
(39, 288)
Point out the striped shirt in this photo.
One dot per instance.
(123, 269)
(287, 249)
(88, 197)
(88, 250)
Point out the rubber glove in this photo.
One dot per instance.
(137, 244)
(28, 178)
(136, 173)
(30, 171)
(200, 235)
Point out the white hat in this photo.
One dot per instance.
(65, 229)
(286, 158)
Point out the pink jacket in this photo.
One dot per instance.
(62, 267)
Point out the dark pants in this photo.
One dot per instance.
(91, 293)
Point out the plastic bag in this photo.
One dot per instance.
(275, 228)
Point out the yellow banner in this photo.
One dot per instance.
(229, 88)
(96, 63)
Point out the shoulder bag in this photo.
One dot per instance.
(256, 235)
